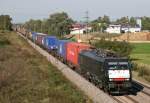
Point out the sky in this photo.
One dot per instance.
(23, 10)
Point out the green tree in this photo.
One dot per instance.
(100, 23)
(146, 23)
(57, 24)
(132, 21)
(5, 22)
(34, 25)
(123, 21)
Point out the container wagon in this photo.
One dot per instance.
(62, 51)
(50, 43)
(73, 50)
(40, 38)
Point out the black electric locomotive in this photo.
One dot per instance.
(106, 70)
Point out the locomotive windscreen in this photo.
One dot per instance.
(118, 65)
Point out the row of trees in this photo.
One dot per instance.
(57, 24)
(103, 22)
(60, 23)
(5, 22)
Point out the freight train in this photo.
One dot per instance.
(103, 68)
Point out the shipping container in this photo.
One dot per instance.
(61, 51)
(34, 36)
(50, 42)
(73, 50)
(40, 38)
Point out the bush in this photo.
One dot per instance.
(147, 78)
(143, 70)
(135, 66)
(122, 48)
(4, 41)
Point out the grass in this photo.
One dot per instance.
(27, 77)
(141, 52)
(140, 56)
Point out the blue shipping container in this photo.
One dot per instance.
(34, 36)
(61, 51)
(50, 42)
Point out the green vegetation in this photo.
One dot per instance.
(101, 23)
(140, 56)
(5, 22)
(142, 70)
(27, 77)
(57, 24)
(146, 23)
(121, 48)
(141, 52)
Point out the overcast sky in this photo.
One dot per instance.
(23, 10)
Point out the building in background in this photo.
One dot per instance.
(117, 29)
(79, 28)
(139, 21)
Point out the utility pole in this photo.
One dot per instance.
(87, 20)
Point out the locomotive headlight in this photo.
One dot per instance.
(127, 79)
(110, 79)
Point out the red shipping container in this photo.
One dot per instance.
(73, 50)
(40, 38)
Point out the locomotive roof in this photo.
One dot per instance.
(92, 54)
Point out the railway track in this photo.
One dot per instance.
(139, 94)
(141, 87)
(124, 99)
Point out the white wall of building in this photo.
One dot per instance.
(117, 29)
(79, 31)
(114, 29)
(134, 30)
(139, 22)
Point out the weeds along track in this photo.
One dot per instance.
(139, 93)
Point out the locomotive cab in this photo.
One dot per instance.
(119, 75)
